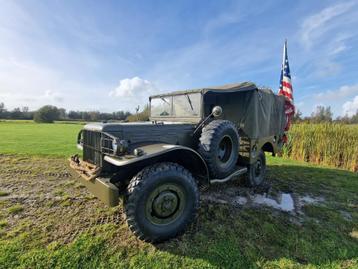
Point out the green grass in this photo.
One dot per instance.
(3, 223)
(3, 193)
(26, 137)
(223, 236)
(15, 209)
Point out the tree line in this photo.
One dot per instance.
(50, 113)
(324, 114)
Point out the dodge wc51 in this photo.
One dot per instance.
(193, 138)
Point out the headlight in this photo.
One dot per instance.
(115, 146)
(119, 146)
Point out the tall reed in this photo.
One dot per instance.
(328, 144)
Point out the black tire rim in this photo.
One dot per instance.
(165, 204)
(258, 168)
(225, 150)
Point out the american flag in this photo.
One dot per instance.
(286, 88)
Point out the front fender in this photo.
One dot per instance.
(155, 153)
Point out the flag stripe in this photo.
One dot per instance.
(287, 84)
(288, 95)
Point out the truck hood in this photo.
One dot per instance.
(120, 126)
(176, 133)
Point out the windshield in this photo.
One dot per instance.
(179, 106)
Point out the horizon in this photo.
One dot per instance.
(111, 57)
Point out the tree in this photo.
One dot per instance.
(322, 114)
(16, 113)
(2, 111)
(47, 114)
(297, 117)
(354, 118)
(62, 113)
(2, 107)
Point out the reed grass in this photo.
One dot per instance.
(328, 144)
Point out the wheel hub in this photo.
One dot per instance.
(165, 204)
(225, 149)
(258, 168)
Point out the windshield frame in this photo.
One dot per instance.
(172, 117)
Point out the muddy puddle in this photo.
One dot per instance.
(242, 197)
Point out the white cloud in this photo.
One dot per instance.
(133, 92)
(340, 100)
(222, 20)
(350, 107)
(325, 35)
(133, 87)
(315, 26)
(51, 95)
(27, 83)
(335, 95)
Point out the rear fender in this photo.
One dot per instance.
(155, 153)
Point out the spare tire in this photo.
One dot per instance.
(219, 147)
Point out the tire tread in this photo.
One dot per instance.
(136, 186)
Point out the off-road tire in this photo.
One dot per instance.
(211, 138)
(137, 201)
(253, 177)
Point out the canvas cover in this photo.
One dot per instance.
(258, 112)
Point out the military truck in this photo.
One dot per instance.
(193, 138)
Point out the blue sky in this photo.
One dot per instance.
(111, 55)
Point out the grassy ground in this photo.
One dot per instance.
(27, 137)
(47, 219)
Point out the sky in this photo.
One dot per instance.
(111, 55)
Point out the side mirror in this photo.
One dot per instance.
(217, 111)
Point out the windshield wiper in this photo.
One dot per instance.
(191, 105)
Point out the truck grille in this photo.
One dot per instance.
(92, 147)
(95, 144)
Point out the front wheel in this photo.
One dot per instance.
(257, 171)
(161, 201)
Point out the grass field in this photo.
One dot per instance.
(48, 220)
(27, 137)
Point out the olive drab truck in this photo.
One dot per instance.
(193, 138)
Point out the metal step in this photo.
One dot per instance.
(238, 172)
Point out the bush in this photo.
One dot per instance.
(47, 114)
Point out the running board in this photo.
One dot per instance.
(238, 172)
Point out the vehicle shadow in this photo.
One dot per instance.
(229, 236)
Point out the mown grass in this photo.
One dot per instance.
(26, 137)
(327, 144)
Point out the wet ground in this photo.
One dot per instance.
(301, 215)
(237, 195)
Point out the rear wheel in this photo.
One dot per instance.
(161, 201)
(257, 171)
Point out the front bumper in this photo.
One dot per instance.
(88, 174)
